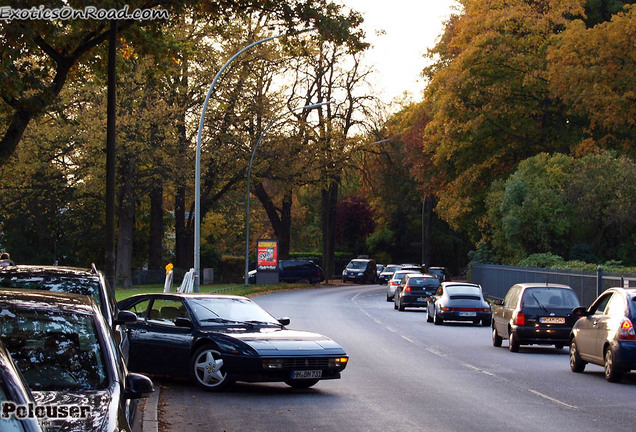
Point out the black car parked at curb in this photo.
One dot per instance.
(604, 334)
(296, 270)
(66, 352)
(216, 340)
(534, 314)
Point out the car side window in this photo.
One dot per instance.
(599, 307)
(512, 297)
(140, 308)
(615, 306)
(165, 311)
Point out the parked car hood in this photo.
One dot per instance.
(103, 415)
(275, 341)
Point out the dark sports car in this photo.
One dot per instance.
(458, 301)
(218, 339)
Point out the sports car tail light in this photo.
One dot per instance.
(272, 363)
(626, 332)
(519, 319)
(338, 361)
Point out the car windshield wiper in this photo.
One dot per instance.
(219, 320)
(539, 303)
(256, 322)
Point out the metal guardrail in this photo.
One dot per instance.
(497, 279)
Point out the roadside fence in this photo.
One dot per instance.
(495, 280)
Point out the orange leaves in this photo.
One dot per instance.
(594, 70)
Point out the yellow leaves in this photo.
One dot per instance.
(127, 50)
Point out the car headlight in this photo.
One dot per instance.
(338, 362)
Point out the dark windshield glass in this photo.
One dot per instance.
(357, 265)
(54, 351)
(230, 309)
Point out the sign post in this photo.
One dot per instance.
(267, 261)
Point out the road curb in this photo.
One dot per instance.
(150, 419)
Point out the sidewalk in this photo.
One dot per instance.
(149, 415)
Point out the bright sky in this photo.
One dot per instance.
(410, 28)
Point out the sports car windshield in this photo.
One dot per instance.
(210, 310)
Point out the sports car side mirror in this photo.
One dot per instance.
(284, 321)
(125, 317)
(183, 322)
(138, 386)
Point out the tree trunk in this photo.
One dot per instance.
(110, 270)
(280, 224)
(329, 199)
(155, 242)
(126, 227)
(427, 216)
(180, 229)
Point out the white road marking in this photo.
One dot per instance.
(551, 399)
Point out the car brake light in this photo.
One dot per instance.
(626, 331)
(407, 288)
(519, 319)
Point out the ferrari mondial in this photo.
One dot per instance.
(219, 339)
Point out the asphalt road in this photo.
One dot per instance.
(406, 374)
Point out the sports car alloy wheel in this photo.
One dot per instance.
(207, 369)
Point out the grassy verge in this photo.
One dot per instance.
(121, 293)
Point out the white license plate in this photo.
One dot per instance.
(468, 314)
(421, 299)
(552, 320)
(306, 374)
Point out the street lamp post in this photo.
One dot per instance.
(197, 175)
(249, 176)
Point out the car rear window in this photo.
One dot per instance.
(391, 269)
(463, 290)
(424, 282)
(549, 297)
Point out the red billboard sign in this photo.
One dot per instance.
(267, 254)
